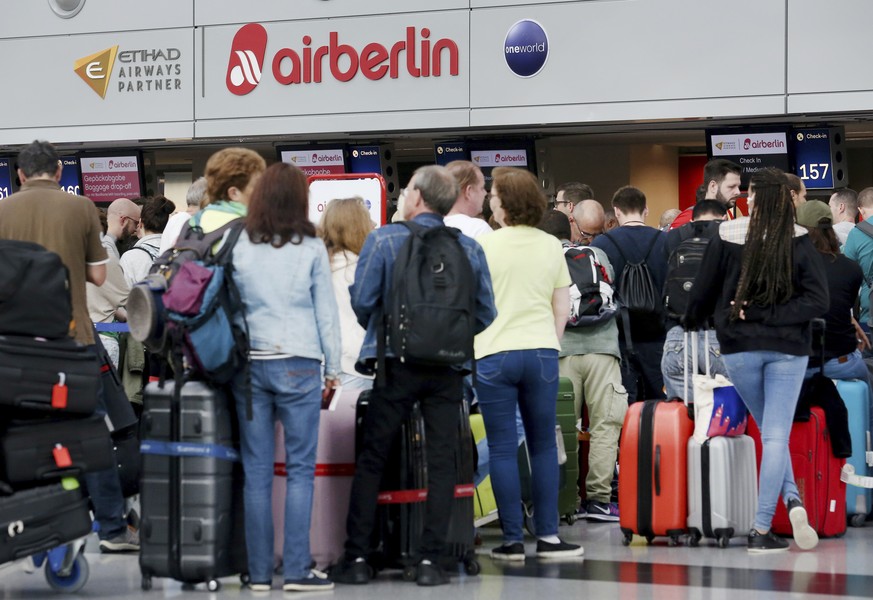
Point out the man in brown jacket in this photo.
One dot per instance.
(69, 226)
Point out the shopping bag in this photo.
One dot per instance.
(718, 408)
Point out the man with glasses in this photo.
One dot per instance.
(567, 196)
(589, 217)
(122, 221)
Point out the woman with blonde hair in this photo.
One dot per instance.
(517, 356)
(344, 226)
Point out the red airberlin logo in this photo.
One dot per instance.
(246, 59)
(415, 54)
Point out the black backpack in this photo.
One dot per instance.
(592, 297)
(683, 265)
(636, 288)
(34, 291)
(431, 306)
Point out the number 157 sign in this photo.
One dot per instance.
(813, 157)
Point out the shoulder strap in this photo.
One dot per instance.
(617, 247)
(865, 228)
(651, 245)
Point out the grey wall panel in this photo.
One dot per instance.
(336, 124)
(131, 132)
(359, 95)
(217, 12)
(627, 51)
(698, 108)
(150, 79)
(25, 18)
(832, 54)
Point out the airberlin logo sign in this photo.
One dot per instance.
(415, 54)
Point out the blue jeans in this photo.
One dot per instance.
(853, 368)
(527, 379)
(671, 361)
(104, 487)
(288, 390)
(769, 384)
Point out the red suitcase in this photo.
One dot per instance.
(653, 466)
(817, 473)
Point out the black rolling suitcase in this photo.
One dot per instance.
(403, 494)
(191, 487)
(46, 449)
(41, 518)
(48, 375)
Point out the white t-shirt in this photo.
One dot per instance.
(842, 230)
(172, 231)
(470, 226)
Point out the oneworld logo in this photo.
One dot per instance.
(415, 53)
(526, 48)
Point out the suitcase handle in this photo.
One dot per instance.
(658, 470)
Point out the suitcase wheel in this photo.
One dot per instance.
(672, 541)
(146, 583)
(857, 520)
(245, 579)
(570, 518)
(472, 567)
(724, 541)
(410, 573)
(71, 583)
(650, 539)
(626, 539)
(213, 585)
(694, 538)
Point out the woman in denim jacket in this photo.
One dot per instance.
(283, 274)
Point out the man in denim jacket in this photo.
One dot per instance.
(430, 195)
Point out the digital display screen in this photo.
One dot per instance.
(70, 175)
(109, 177)
(6, 179)
(812, 153)
(751, 150)
(446, 152)
(315, 161)
(365, 159)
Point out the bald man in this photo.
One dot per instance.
(589, 217)
(122, 220)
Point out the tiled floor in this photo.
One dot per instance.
(838, 568)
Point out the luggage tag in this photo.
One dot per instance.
(59, 392)
(62, 456)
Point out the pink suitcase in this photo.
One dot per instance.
(334, 468)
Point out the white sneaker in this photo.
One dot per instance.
(804, 535)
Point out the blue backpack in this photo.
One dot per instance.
(187, 308)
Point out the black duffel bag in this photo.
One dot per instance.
(34, 291)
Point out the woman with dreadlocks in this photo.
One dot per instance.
(762, 281)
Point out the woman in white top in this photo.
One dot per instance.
(344, 227)
(137, 261)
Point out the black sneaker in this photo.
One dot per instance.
(315, 581)
(430, 574)
(354, 571)
(762, 543)
(559, 550)
(514, 551)
(804, 535)
(602, 511)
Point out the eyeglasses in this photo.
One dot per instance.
(132, 220)
(585, 234)
(557, 202)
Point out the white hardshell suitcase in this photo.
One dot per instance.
(722, 488)
(722, 481)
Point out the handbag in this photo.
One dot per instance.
(718, 408)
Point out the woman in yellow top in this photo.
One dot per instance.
(517, 356)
